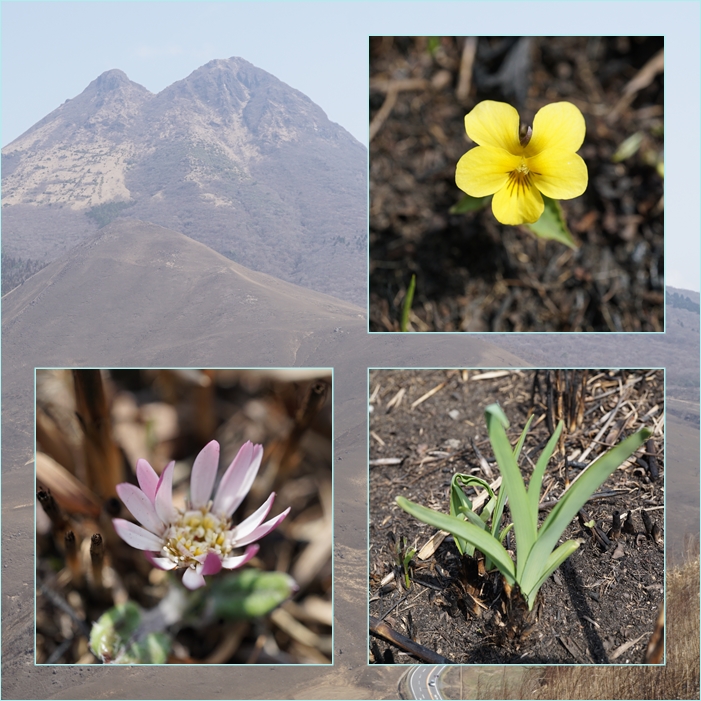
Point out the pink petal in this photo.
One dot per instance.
(263, 530)
(212, 564)
(136, 536)
(162, 563)
(237, 480)
(147, 478)
(141, 507)
(164, 495)
(231, 563)
(204, 470)
(193, 579)
(254, 520)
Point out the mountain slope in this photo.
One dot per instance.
(229, 156)
(139, 286)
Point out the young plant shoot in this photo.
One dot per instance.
(536, 555)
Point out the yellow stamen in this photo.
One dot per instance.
(195, 533)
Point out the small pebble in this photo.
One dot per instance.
(619, 552)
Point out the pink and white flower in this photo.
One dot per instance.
(201, 537)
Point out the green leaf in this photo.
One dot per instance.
(480, 538)
(406, 307)
(250, 593)
(469, 204)
(572, 501)
(555, 559)
(112, 631)
(512, 482)
(552, 225)
(522, 438)
(115, 638)
(537, 477)
(153, 648)
(460, 505)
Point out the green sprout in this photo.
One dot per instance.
(461, 506)
(406, 307)
(404, 557)
(536, 555)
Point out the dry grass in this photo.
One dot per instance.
(677, 679)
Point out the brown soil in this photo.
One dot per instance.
(597, 602)
(472, 273)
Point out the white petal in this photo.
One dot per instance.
(193, 579)
(231, 563)
(147, 478)
(164, 495)
(163, 563)
(136, 536)
(204, 470)
(141, 507)
(237, 480)
(263, 530)
(254, 520)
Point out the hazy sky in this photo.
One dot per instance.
(52, 50)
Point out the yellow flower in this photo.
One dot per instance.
(517, 169)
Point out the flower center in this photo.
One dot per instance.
(196, 533)
(519, 178)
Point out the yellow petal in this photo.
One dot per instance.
(484, 170)
(558, 125)
(516, 205)
(494, 124)
(559, 174)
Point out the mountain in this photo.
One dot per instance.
(229, 156)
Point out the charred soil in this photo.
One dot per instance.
(472, 273)
(601, 605)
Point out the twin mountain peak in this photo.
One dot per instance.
(229, 156)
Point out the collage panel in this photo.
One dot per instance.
(517, 517)
(184, 516)
(516, 184)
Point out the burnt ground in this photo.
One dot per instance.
(599, 607)
(472, 273)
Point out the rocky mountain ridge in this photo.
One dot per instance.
(230, 156)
